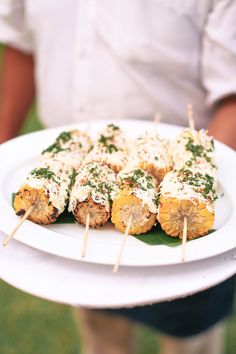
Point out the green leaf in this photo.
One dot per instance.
(65, 218)
(156, 236)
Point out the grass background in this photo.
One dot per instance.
(29, 325)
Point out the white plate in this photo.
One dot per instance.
(19, 155)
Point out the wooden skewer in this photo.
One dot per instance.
(85, 240)
(184, 238)
(157, 118)
(125, 237)
(190, 116)
(22, 220)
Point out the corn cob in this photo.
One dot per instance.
(110, 149)
(189, 191)
(193, 149)
(92, 194)
(137, 197)
(48, 186)
(150, 153)
(191, 194)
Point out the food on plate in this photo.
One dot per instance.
(187, 193)
(48, 186)
(70, 148)
(157, 180)
(136, 198)
(110, 148)
(92, 193)
(193, 149)
(150, 152)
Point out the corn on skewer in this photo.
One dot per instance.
(137, 197)
(150, 152)
(47, 187)
(94, 199)
(110, 149)
(193, 158)
(96, 182)
(92, 194)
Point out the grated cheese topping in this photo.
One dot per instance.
(141, 184)
(94, 181)
(193, 149)
(190, 184)
(152, 149)
(70, 147)
(110, 148)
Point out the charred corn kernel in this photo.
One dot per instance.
(137, 197)
(43, 212)
(110, 149)
(92, 193)
(150, 152)
(48, 186)
(187, 193)
(193, 149)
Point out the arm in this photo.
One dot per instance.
(223, 125)
(16, 91)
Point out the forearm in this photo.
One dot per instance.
(16, 91)
(223, 125)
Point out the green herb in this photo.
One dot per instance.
(57, 146)
(202, 183)
(44, 172)
(106, 141)
(113, 127)
(198, 150)
(73, 178)
(139, 179)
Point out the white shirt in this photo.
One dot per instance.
(116, 58)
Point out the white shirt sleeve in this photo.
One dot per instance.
(13, 30)
(219, 51)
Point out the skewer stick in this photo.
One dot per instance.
(85, 240)
(184, 239)
(22, 220)
(190, 116)
(125, 237)
(157, 118)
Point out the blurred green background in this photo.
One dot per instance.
(29, 325)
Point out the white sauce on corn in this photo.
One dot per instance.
(57, 186)
(141, 184)
(110, 148)
(57, 165)
(96, 182)
(193, 149)
(151, 149)
(190, 185)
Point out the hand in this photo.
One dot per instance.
(223, 125)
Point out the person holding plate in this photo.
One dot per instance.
(87, 60)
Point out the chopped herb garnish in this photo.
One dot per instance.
(107, 142)
(57, 146)
(44, 172)
(198, 150)
(138, 179)
(113, 127)
(201, 183)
